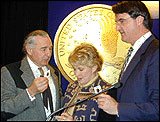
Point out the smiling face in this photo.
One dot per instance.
(41, 53)
(84, 74)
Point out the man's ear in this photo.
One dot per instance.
(28, 49)
(139, 20)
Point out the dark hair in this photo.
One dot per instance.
(134, 9)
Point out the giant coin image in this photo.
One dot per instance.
(94, 24)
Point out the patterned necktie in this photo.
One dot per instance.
(127, 59)
(46, 94)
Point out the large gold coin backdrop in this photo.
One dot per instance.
(93, 24)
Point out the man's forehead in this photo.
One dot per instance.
(122, 15)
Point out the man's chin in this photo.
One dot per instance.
(46, 63)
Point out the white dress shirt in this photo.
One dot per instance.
(37, 74)
(138, 44)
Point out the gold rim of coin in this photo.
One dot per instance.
(94, 24)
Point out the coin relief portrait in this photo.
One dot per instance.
(94, 24)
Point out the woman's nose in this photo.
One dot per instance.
(76, 73)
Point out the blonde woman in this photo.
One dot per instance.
(86, 62)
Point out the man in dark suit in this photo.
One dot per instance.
(138, 98)
(22, 83)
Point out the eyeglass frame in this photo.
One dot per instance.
(121, 21)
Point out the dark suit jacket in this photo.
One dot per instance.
(14, 98)
(139, 95)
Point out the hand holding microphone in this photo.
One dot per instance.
(98, 94)
(108, 104)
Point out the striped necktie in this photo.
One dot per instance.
(127, 59)
(46, 94)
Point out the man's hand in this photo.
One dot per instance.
(39, 85)
(108, 104)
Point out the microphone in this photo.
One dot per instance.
(116, 85)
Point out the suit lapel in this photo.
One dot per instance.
(27, 75)
(135, 60)
(28, 78)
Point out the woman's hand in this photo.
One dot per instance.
(64, 117)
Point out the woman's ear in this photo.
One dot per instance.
(94, 68)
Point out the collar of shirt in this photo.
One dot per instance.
(140, 41)
(138, 44)
(90, 82)
(34, 68)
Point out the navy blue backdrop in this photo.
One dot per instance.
(59, 10)
(18, 18)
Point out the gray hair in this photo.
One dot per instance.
(30, 39)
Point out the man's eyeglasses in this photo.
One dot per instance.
(121, 21)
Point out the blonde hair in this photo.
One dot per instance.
(87, 55)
